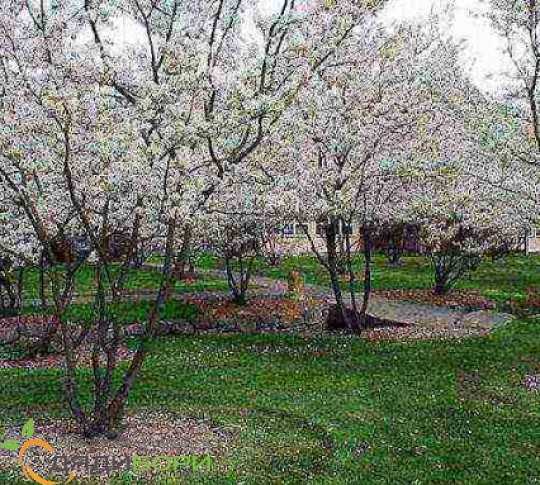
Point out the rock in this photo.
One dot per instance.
(485, 319)
(133, 330)
(9, 335)
(164, 328)
(204, 326)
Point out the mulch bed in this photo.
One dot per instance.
(261, 315)
(84, 353)
(273, 314)
(454, 299)
(9, 323)
(146, 434)
(258, 310)
(84, 356)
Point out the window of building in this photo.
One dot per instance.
(288, 230)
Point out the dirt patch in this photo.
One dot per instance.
(470, 387)
(469, 384)
(29, 329)
(13, 329)
(84, 359)
(149, 435)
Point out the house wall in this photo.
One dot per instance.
(533, 241)
(294, 241)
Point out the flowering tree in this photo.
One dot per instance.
(461, 220)
(236, 225)
(104, 139)
(71, 176)
(380, 105)
(514, 117)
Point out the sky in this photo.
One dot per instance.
(482, 58)
(482, 48)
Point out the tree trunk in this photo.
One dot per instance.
(183, 257)
(442, 268)
(350, 269)
(440, 288)
(395, 247)
(394, 256)
(239, 287)
(230, 278)
(42, 294)
(106, 422)
(348, 319)
(331, 250)
(367, 272)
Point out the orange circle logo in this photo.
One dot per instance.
(28, 471)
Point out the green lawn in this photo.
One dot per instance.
(501, 280)
(128, 312)
(338, 409)
(138, 279)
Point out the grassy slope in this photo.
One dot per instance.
(432, 411)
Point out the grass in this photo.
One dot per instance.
(138, 279)
(338, 409)
(502, 280)
(128, 312)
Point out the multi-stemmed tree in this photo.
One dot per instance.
(107, 137)
(384, 103)
(110, 142)
(460, 220)
(74, 164)
(236, 223)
